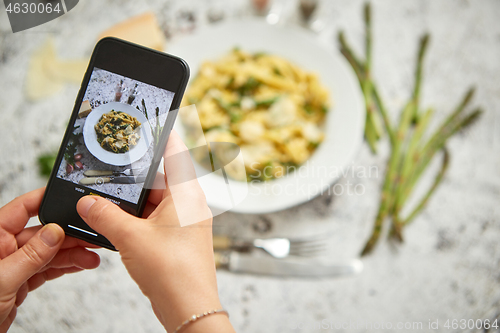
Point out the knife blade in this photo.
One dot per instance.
(112, 179)
(245, 263)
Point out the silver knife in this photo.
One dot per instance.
(246, 263)
(112, 179)
(127, 172)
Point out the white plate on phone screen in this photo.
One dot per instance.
(108, 157)
(344, 125)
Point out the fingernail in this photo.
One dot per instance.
(85, 204)
(51, 235)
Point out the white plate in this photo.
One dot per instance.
(344, 125)
(135, 153)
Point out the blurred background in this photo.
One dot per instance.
(449, 264)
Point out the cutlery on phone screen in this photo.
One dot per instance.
(276, 247)
(127, 172)
(112, 179)
(245, 263)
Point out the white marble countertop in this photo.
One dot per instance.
(449, 265)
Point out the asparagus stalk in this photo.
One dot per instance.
(373, 129)
(393, 178)
(377, 122)
(409, 157)
(372, 132)
(452, 117)
(407, 163)
(398, 222)
(372, 123)
(157, 128)
(424, 41)
(387, 200)
(424, 160)
(442, 136)
(422, 156)
(407, 168)
(383, 113)
(428, 194)
(368, 39)
(356, 64)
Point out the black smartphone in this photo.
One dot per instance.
(123, 115)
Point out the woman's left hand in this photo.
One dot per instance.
(31, 256)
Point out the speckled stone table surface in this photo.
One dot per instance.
(449, 265)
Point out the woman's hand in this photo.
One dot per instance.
(169, 252)
(31, 256)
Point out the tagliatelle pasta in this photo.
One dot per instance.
(117, 131)
(268, 106)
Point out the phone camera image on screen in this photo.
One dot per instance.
(115, 135)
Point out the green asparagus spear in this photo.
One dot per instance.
(439, 141)
(356, 64)
(410, 161)
(424, 41)
(387, 200)
(437, 181)
(410, 154)
(383, 113)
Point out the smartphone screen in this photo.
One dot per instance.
(111, 149)
(116, 135)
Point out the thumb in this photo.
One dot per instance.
(31, 258)
(107, 219)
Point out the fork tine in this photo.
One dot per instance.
(307, 245)
(305, 254)
(308, 248)
(307, 251)
(308, 240)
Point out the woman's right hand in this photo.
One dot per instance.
(172, 264)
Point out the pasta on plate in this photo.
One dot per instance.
(117, 131)
(272, 109)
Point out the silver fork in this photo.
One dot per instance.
(276, 247)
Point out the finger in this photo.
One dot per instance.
(157, 192)
(183, 186)
(15, 214)
(148, 210)
(38, 279)
(69, 241)
(4, 326)
(21, 294)
(8, 244)
(175, 144)
(108, 219)
(31, 258)
(178, 166)
(75, 257)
